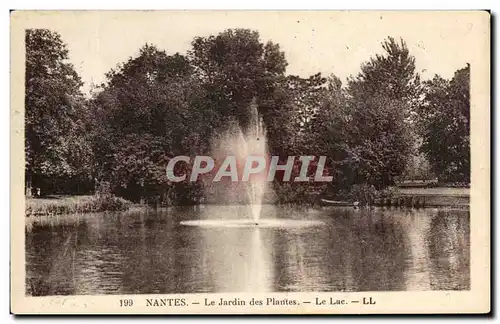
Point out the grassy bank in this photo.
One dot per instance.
(74, 204)
(440, 196)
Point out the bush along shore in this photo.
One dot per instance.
(74, 204)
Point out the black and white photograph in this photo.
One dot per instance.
(238, 153)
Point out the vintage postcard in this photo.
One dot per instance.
(250, 162)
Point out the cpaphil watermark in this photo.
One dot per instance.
(301, 169)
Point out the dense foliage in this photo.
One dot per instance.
(57, 147)
(157, 105)
(445, 116)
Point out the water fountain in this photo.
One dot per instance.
(255, 144)
(244, 143)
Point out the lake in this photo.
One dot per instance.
(151, 252)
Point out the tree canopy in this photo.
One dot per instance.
(158, 105)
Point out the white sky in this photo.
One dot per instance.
(327, 42)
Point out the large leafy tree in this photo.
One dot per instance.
(381, 99)
(446, 126)
(57, 148)
(236, 68)
(150, 109)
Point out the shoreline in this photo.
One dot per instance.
(60, 205)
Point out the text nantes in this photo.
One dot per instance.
(304, 168)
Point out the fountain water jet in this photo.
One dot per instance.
(256, 144)
(242, 143)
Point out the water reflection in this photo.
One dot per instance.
(417, 226)
(248, 250)
(449, 250)
(150, 252)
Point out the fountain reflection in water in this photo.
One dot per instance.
(249, 269)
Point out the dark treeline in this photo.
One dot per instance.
(156, 106)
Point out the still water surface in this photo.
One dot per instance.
(147, 252)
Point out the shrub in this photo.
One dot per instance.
(76, 204)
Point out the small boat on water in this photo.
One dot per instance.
(338, 202)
